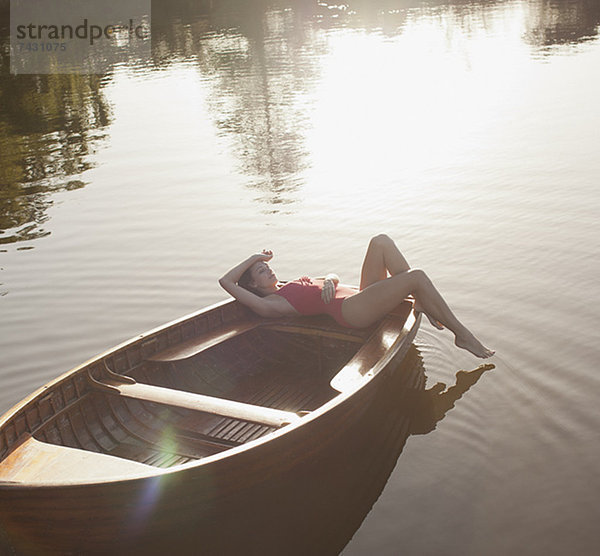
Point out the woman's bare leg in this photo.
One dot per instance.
(381, 297)
(383, 256)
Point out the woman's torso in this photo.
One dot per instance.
(303, 297)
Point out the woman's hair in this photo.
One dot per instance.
(245, 280)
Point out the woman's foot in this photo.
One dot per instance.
(470, 343)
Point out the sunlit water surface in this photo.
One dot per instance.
(468, 131)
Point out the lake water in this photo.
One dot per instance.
(466, 130)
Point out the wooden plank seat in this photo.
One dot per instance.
(39, 462)
(129, 388)
(192, 347)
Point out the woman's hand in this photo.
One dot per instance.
(266, 255)
(328, 291)
(230, 279)
(329, 284)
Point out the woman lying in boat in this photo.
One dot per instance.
(253, 283)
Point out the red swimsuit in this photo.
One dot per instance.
(304, 295)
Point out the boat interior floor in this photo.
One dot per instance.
(263, 367)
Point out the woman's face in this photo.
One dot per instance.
(262, 276)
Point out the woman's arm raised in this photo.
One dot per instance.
(228, 282)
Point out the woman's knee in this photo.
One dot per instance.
(380, 240)
(413, 279)
(419, 277)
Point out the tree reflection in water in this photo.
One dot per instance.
(260, 59)
(49, 126)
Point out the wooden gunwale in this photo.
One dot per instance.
(408, 331)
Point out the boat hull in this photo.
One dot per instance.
(294, 491)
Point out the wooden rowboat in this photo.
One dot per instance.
(216, 418)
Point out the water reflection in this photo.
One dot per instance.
(263, 59)
(555, 22)
(48, 128)
(262, 62)
(428, 407)
(548, 22)
(254, 100)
